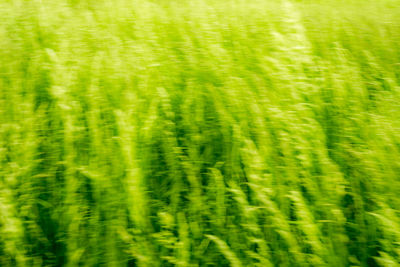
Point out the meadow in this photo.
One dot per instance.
(199, 133)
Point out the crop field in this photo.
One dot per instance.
(199, 133)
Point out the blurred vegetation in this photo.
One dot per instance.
(199, 133)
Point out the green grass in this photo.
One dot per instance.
(199, 133)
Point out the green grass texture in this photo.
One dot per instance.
(199, 133)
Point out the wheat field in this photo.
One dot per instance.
(199, 133)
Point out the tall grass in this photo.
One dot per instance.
(199, 133)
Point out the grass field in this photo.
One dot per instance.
(199, 133)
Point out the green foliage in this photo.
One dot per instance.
(199, 133)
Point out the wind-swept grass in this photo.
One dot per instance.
(199, 133)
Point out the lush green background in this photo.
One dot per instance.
(199, 133)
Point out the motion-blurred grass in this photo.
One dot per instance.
(199, 133)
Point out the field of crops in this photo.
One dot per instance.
(199, 133)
